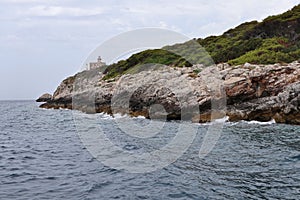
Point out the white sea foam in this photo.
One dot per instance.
(261, 123)
(64, 109)
(120, 116)
(224, 120)
(216, 121)
(221, 120)
(140, 117)
(104, 116)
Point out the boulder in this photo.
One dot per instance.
(44, 98)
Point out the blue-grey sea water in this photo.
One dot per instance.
(42, 157)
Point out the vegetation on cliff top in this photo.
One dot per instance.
(275, 39)
(155, 56)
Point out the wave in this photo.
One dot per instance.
(64, 109)
(221, 120)
(117, 116)
(216, 121)
(120, 116)
(104, 116)
(261, 123)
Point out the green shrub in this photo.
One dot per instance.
(276, 39)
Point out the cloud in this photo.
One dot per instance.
(60, 33)
(56, 11)
(22, 1)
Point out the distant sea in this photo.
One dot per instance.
(42, 157)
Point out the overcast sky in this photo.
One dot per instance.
(44, 41)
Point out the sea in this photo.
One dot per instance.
(43, 156)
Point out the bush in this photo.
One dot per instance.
(276, 39)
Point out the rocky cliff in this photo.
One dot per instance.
(176, 88)
(197, 93)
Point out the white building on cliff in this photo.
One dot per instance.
(94, 65)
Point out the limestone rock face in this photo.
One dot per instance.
(245, 92)
(44, 98)
(283, 108)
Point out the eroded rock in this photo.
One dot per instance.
(44, 98)
(246, 92)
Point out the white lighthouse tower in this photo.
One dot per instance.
(99, 63)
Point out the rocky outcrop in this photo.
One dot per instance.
(44, 98)
(283, 108)
(198, 93)
(264, 93)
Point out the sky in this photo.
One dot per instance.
(42, 41)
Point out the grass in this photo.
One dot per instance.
(275, 39)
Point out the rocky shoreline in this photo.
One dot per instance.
(197, 93)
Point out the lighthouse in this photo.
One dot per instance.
(98, 64)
